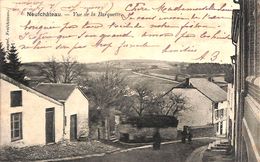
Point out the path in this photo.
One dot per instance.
(156, 77)
(172, 151)
(197, 155)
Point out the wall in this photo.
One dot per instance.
(251, 128)
(33, 117)
(77, 104)
(200, 105)
(221, 106)
(231, 113)
(203, 131)
(166, 133)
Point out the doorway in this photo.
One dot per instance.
(73, 127)
(50, 125)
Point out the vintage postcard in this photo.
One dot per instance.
(126, 81)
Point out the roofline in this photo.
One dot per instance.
(200, 92)
(58, 83)
(170, 90)
(82, 93)
(22, 86)
(207, 95)
(76, 87)
(63, 101)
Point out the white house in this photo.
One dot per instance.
(75, 107)
(48, 114)
(207, 102)
(231, 113)
(28, 117)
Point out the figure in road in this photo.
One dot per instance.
(157, 140)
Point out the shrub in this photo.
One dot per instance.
(149, 121)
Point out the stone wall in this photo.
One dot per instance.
(127, 132)
(203, 131)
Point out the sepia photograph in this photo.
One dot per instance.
(130, 81)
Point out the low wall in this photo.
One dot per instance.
(203, 131)
(129, 133)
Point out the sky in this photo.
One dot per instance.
(94, 31)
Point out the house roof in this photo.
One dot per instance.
(209, 89)
(21, 86)
(58, 91)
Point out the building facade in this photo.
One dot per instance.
(48, 114)
(75, 105)
(206, 99)
(28, 117)
(246, 38)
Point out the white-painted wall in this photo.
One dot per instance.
(200, 113)
(231, 111)
(33, 117)
(221, 106)
(77, 104)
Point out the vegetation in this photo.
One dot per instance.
(3, 62)
(67, 71)
(160, 121)
(210, 69)
(141, 99)
(171, 104)
(11, 64)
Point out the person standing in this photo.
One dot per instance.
(184, 134)
(189, 135)
(157, 140)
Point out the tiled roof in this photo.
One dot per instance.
(209, 89)
(57, 91)
(21, 86)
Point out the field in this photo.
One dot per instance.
(159, 69)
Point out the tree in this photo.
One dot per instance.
(3, 63)
(142, 99)
(51, 70)
(13, 69)
(107, 90)
(71, 69)
(67, 71)
(171, 104)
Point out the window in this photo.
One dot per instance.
(16, 98)
(216, 114)
(221, 113)
(215, 105)
(16, 126)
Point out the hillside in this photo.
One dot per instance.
(159, 75)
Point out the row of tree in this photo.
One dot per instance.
(10, 64)
(211, 69)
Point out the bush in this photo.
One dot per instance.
(149, 121)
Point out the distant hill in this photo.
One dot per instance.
(173, 70)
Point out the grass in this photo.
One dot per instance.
(171, 72)
(157, 85)
(53, 151)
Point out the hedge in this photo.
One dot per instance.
(149, 121)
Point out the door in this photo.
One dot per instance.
(73, 127)
(221, 128)
(50, 125)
